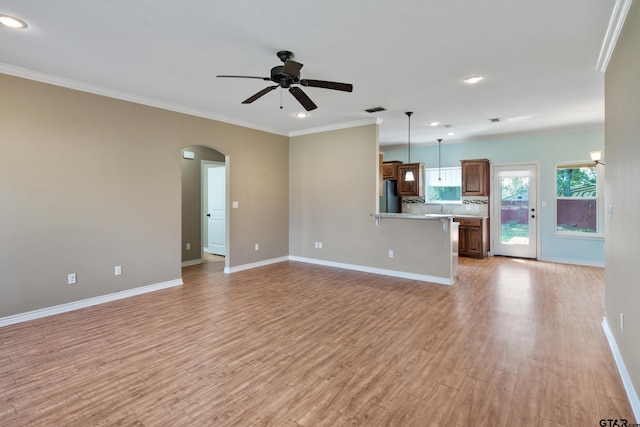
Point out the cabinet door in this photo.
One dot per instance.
(390, 171)
(475, 177)
(462, 240)
(474, 241)
(411, 188)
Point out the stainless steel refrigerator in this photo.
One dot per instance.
(390, 202)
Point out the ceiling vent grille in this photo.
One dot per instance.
(375, 109)
(447, 126)
(495, 120)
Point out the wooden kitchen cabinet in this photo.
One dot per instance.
(390, 170)
(475, 177)
(411, 188)
(473, 239)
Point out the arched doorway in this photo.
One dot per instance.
(197, 161)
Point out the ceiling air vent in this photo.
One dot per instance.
(375, 109)
(495, 120)
(447, 126)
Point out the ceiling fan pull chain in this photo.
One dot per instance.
(281, 98)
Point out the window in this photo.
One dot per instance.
(578, 199)
(443, 185)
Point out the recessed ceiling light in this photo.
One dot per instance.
(11, 22)
(520, 118)
(434, 123)
(473, 79)
(451, 133)
(301, 115)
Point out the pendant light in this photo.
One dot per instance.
(409, 175)
(439, 160)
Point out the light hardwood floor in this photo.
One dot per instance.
(512, 343)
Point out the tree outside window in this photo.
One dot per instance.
(443, 185)
(577, 199)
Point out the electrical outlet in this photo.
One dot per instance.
(257, 247)
(390, 253)
(235, 204)
(71, 279)
(188, 246)
(622, 321)
(319, 245)
(118, 270)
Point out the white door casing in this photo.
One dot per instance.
(514, 220)
(214, 186)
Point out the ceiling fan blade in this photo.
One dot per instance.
(346, 87)
(259, 94)
(292, 68)
(302, 98)
(248, 77)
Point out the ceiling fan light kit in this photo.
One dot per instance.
(288, 75)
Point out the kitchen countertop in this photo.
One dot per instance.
(412, 216)
(425, 216)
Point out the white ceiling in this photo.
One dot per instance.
(538, 59)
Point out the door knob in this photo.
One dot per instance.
(209, 215)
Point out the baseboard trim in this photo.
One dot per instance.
(249, 266)
(374, 270)
(573, 261)
(76, 305)
(622, 369)
(191, 262)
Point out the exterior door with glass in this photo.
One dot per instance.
(515, 213)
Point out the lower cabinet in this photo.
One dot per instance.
(472, 237)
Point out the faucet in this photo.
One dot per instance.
(441, 207)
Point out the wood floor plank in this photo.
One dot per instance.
(512, 342)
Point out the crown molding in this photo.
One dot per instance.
(336, 126)
(28, 74)
(618, 16)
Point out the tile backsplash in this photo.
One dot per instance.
(469, 206)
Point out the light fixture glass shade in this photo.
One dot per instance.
(409, 176)
(596, 155)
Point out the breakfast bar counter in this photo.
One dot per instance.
(420, 246)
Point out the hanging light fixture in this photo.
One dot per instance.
(439, 160)
(409, 175)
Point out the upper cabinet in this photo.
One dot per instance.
(411, 188)
(390, 170)
(475, 177)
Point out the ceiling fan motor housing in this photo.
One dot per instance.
(284, 80)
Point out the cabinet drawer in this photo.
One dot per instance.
(469, 222)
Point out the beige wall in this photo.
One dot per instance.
(333, 189)
(89, 182)
(622, 159)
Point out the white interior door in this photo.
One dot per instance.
(515, 214)
(215, 209)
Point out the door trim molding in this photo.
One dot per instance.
(493, 222)
(204, 226)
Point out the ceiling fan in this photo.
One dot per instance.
(288, 75)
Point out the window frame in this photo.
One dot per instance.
(427, 186)
(599, 199)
